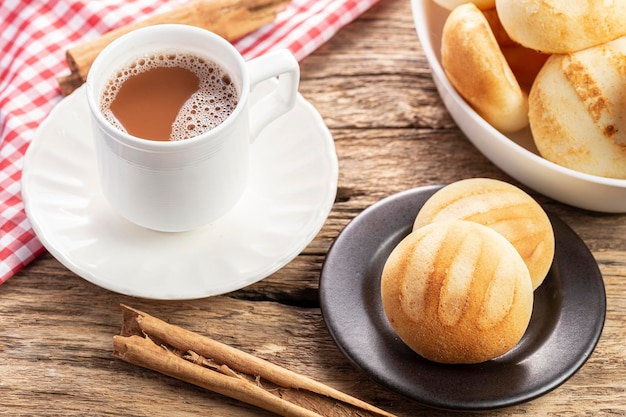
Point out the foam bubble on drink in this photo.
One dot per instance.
(207, 108)
(215, 100)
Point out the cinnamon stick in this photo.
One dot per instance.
(230, 19)
(154, 344)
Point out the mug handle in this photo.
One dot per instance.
(280, 63)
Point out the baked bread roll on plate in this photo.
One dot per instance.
(502, 207)
(577, 110)
(476, 67)
(561, 26)
(457, 292)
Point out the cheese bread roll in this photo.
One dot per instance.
(457, 292)
(558, 26)
(502, 207)
(478, 70)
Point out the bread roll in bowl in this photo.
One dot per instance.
(457, 292)
(499, 32)
(577, 110)
(502, 207)
(558, 26)
(481, 4)
(476, 67)
(524, 62)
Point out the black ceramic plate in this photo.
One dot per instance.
(566, 323)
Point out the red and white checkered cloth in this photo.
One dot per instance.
(34, 36)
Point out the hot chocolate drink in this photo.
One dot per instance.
(169, 96)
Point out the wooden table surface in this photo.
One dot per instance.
(373, 87)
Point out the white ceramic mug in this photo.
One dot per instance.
(176, 186)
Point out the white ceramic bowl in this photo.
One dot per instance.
(515, 153)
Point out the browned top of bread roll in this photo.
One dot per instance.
(457, 292)
(503, 207)
(557, 26)
(577, 110)
(478, 70)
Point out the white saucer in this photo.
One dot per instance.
(292, 187)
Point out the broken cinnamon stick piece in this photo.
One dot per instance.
(154, 344)
(230, 19)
